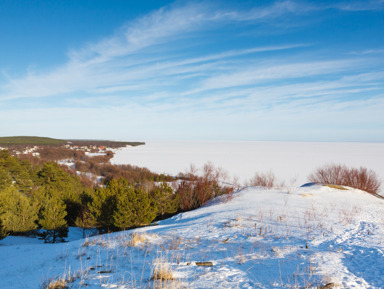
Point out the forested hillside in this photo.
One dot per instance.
(51, 197)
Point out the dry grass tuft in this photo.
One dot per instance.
(338, 187)
(104, 243)
(306, 195)
(60, 283)
(162, 271)
(88, 243)
(56, 284)
(99, 241)
(137, 238)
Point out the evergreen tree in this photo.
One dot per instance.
(18, 171)
(134, 208)
(84, 220)
(51, 173)
(3, 233)
(69, 186)
(4, 154)
(17, 212)
(5, 178)
(52, 217)
(23, 181)
(165, 199)
(103, 206)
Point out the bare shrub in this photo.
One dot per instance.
(133, 174)
(361, 178)
(59, 153)
(195, 190)
(266, 180)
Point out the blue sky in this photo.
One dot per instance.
(219, 70)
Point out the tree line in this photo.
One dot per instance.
(47, 198)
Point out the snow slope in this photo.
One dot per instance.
(242, 159)
(301, 238)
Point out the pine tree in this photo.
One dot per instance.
(70, 188)
(51, 174)
(4, 154)
(3, 233)
(134, 208)
(17, 212)
(5, 178)
(103, 206)
(52, 217)
(18, 171)
(124, 212)
(84, 220)
(165, 199)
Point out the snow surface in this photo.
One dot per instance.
(288, 160)
(292, 238)
(301, 238)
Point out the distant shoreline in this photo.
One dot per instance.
(46, 141)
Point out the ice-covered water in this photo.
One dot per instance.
(288, 160)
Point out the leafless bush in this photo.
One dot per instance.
(105, 158)
(196, 190)
(265, 180)
(361, 178)
(59, 153)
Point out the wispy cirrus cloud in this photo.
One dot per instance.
(369, 52)
(114, 60)
(115, 64)
(361, 5)
(164, 64)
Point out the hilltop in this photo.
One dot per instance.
(303, 237)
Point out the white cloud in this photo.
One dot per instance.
(122, 62)
(253, 73)
(112, 61)
(137, 78)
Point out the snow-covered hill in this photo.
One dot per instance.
(297, 238)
